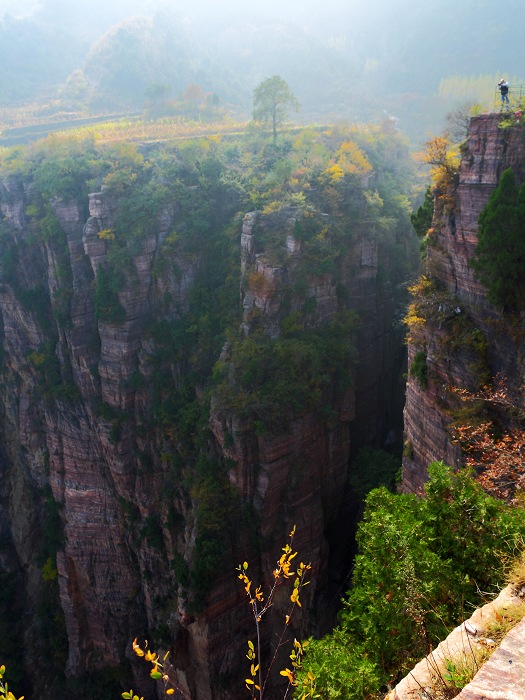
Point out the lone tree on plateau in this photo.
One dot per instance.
(272, 102)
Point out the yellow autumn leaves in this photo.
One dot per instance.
(260, 602)
(157, 671)
(5, 693)
(349, 159)
(296, 657)
(254, 668)
(443, 159)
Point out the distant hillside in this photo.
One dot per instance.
(35, 58)
(342, 60)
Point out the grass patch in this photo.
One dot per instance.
(516, 574)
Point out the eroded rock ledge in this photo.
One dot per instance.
(501, 677)
(454, 359)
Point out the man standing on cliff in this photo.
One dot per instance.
(504, 90)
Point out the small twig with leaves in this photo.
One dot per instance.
(5, 693)
(260, 604)
(157, 673)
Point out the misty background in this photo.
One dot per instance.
(344, 60)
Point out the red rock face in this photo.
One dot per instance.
(65, 442)
(96, 445)
(489, 150)
(297, 475)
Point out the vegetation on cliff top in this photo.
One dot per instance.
(421, 565)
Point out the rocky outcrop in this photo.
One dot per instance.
(466, 340)
(495, 672)
(68, 423)
(297, 473)
(501, 678)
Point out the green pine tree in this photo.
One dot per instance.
(421, 219)
(499, 258)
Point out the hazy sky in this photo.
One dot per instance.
(297, 9)
(16, 7)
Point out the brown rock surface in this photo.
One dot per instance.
(499, 678)
(81, 438)
(298, 473)
(489, 150)
(502, 677)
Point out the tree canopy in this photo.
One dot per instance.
(421, 219)
(272, 102)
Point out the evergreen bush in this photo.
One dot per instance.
(421, 561)
(419, 369)
(499, 258)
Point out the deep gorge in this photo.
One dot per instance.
(196, 342)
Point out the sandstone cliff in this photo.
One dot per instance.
(125, 502)
(464, 340)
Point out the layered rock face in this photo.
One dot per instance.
(297, 473)
(466, 341)
(100, 508)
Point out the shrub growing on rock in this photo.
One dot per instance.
(421, 561)
(499, 258)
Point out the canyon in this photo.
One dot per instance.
(132, 482)
(185, 378)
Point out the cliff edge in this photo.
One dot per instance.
(458, 339)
